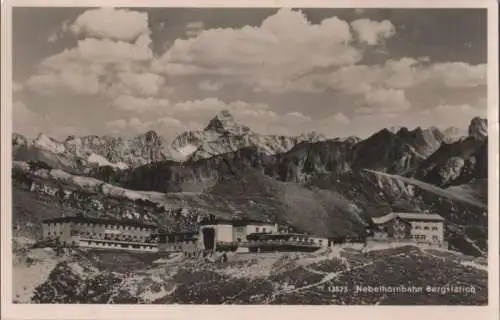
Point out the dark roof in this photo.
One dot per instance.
(279, 236)
(124, 222)
(413, 216)
(235, 221)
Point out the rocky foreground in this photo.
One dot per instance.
(326, 277)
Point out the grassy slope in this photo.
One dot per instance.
(320, 212)
(445, 193)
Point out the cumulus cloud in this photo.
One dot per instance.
(64, 82)
(297, 116)
(111, 23)
(404, 73)
(209, 86)
(339, 118)
(166, 126)
(457, 74)
(372, 32)
(82, 70)
(452, 115)
(139, 105)
(117, 40)
(385, 100)
(131, 83)
(267, 56)
(103, 51)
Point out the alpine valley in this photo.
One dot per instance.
(326, 186)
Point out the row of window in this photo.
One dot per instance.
(424, 237)
(106, 226)
(434, 228)
(114, 245)
(54, 233)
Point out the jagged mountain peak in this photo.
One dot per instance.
(150, 136)
(312, 136)
(478, 128)
(224, 123)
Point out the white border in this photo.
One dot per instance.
(18, 311)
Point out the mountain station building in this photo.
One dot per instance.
(424, 228)
(100, 233)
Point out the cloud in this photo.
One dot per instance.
(102, 52)
(404, 73)
(53, 37)
(385, 100)
(457, 74)
(209, 86)
(59, 33)
(372, 32)
(193, 29)
(88, 68)
(130, 83)
(111, 23)
(64, 82)
(213, 105)
(339, 118)
(140, 105)
(449, 115)
(297, 116)
(27, 122)
(265, 57)
(166, 126)
(111, 57)
(23, 118)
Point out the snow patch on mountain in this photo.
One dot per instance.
(46, 143)
(101, 161)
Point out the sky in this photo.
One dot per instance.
(340, 72)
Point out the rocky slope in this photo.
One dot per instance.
(294, 278)
(459, 162)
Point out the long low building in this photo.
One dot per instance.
(100, 233)
(262, 242)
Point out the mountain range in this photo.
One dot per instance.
(223, 134)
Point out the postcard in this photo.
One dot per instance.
(249, 159)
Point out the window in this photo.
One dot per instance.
(263, 229)
(256, 229)
(426, 228)
(435, 238)
(434, 228)
(418, 227)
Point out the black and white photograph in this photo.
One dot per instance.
(250, 156)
